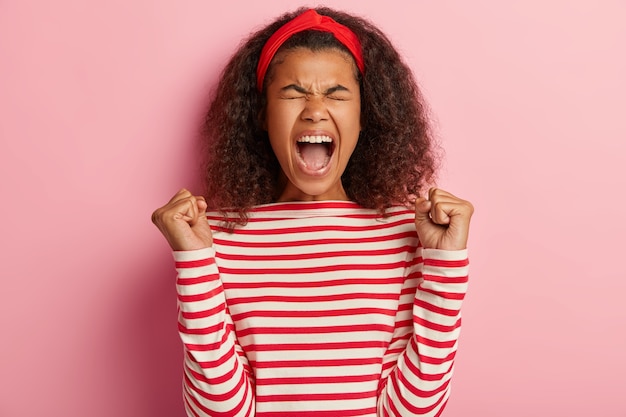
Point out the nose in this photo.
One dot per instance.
(314, 109)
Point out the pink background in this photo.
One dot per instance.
(100, 103)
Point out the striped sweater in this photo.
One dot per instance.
(319, 309)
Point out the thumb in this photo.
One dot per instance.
(422, 210)
(200, 206)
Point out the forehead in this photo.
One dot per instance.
(303, 64)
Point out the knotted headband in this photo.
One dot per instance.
(309, 20)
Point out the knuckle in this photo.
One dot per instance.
(156, 214)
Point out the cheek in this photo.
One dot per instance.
(350, 120)
(279, 118)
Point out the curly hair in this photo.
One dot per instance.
(395, 157)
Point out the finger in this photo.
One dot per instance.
(438, 196)
(202, 204)
(422, 210)
(447, 213)
(181, 194)
(184, 210)
(435, 193)
(191, 210)
(200, 207)
(440, 212)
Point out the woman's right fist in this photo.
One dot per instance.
(183, 222)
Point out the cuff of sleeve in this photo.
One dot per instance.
(193, 255)
(444, 255)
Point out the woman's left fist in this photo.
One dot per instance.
(442, 220)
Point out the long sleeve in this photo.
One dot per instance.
(216, 378)
(419, 382)
(319, 309)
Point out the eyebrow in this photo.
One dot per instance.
(303, 90)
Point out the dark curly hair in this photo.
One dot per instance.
(395, 156)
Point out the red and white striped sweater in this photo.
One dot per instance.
(319, 309)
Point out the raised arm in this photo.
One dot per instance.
(216, 377)
(419, 383)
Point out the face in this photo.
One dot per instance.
(313, 121)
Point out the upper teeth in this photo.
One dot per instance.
(315, 139)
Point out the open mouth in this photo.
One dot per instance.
(315, 151)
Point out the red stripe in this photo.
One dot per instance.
(311, 299)
(194, 264)
(416, 390)
(204, 279)
(313, 229)
(403, 338)
(443, 406)
(214, 413)
(438, 361)
(315, 363)
(435, 309)
(405, 307)
(313, 269)
(408, 289)
(317, 205)
(214, 363)
(333, 413)
(339, 396)
(317, 314)
(392, 408)
(212, 396)
(446, 280)
(213, 380)
(407, 405)
(313, 284)
(327, 379)
(344, 210)
(313, 346)
(189, 407)
(315, 330)
(317, 255)
(417, 371)
(201, 331)
(189, 315)
(348, 206)
(442, 294)
(314, 242)
(190, 298)
(444, 344)
(442, 263)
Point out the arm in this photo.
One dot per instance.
(419, 383)
(216, 382)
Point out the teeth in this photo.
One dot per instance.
(315, 139)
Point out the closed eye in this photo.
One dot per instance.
(338, 97)
(338, 92)
(291, 97)
(293, 91)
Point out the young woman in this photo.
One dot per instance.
(325, 278)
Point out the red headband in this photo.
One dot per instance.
(307, 20)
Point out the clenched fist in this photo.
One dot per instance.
(183, 222)
(442, 220)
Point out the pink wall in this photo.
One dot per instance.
(99, 106)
